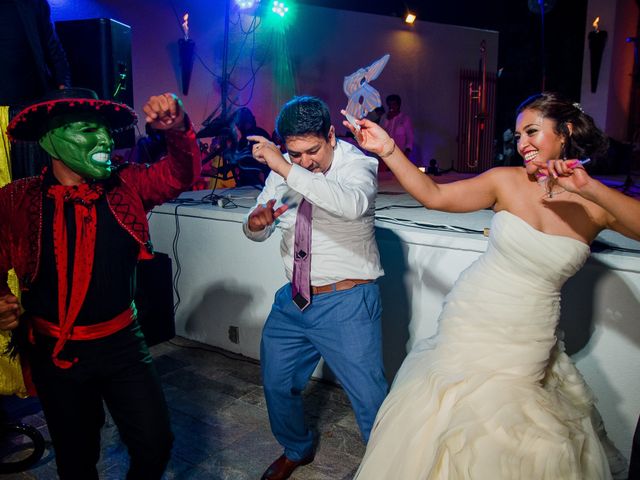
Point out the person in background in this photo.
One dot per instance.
(33, 62)
(433, 168)
(74, 236)
(398, 125)
(245, 123)
(249, 172)
(376, 115)
(275, 138)
(493, 394)
(332, 306)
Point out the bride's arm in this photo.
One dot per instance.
(623, 212)
(462, 196)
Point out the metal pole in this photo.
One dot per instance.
(483, 56)
(544, 61)
(224, 82)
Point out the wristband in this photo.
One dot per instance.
(393, 149)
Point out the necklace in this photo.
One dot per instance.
(550, 189)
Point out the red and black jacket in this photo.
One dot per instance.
(131, 192)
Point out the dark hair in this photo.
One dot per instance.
(244, 116)
(304, 116)
(394, 98)
(585, 139)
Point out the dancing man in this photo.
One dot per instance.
(74, 235)
(325, 190)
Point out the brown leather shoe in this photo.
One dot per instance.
(282, 468)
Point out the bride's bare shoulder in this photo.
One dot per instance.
(511, 172)
(507, 177)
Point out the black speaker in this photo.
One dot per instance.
(99, 54)
(154, 299)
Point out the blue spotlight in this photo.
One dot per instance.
(244, 4)
(280, 8)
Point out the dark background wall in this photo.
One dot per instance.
(520, 48)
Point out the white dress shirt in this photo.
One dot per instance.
(400, 129)
(343, 243)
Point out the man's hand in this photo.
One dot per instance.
(264, 215)
(164, 112)
(9, 312)
(269, 153)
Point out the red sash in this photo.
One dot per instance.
(82, 332)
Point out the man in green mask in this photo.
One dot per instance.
(74, 236)
(84, 144)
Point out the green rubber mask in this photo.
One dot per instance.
(82, 142)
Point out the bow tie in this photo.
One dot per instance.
(84, 194)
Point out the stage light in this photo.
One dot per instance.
(410, 18)
(280, 8)
(244, 4)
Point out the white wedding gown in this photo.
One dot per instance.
(493, 395)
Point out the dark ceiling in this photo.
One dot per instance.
(520, 49)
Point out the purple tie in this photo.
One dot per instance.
(301, 282)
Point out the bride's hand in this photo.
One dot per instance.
(568, 174)
(371, 137)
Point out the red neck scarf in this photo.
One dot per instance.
(83, 197)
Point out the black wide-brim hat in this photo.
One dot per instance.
(31, 123)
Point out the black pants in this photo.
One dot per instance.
(117, 370)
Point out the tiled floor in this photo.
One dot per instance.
(220, 422)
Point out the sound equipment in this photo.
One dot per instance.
(154, 299)
(99, 54)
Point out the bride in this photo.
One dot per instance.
(493, 395)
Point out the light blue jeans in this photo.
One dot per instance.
(344, 328)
